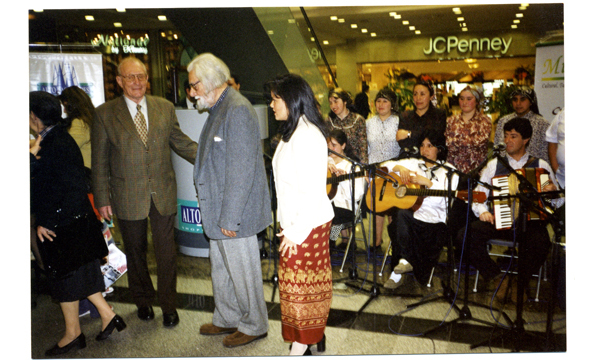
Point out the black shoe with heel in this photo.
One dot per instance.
(116, 323)
(78, 343)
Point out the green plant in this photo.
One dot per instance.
(501, 102)
(402, 83)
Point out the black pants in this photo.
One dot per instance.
(420, 243)
(534, 244)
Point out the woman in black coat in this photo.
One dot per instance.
(58, 199)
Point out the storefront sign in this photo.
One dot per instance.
(117, 44)
(550, 79)
(442, 45)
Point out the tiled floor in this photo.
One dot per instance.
(363, 319)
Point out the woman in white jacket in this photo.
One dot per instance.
(304, 213)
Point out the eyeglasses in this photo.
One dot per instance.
(193, 85)
(131, 78)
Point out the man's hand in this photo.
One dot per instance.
(487, 217)
(229, 233)
(106, 213)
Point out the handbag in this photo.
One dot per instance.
(74, 245)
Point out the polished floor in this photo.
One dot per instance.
(365, 319)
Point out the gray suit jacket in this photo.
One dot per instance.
(229, 173)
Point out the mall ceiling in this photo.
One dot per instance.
(430, 20)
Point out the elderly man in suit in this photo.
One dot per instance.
(132, 138)
(230, 179)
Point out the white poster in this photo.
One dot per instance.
(550, 79)
(53, 72)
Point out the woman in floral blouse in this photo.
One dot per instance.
(468, 133)
(351, 123)
(467, 137)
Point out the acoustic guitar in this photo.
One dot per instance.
(391, 192)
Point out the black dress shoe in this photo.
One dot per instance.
(170, 319)
(116, 323)
(145, 313)
(78, 343)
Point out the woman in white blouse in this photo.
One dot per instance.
(304, 213)
(381, 138)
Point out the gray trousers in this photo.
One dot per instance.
(237, 285)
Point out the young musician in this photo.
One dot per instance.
(535, 242)
(417, 237)
(338, 166)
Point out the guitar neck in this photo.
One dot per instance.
(343, 177)
(426, 192)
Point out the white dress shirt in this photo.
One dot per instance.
(300, 173)
(343, 197)
(434, 209)
(132, 107)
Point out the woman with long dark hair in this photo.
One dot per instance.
(424, 115)
(304, 213)
(80, 114)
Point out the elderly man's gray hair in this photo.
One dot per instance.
(211, 71)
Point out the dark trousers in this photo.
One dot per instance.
(420, 243)
(534, 244)
(135, 239)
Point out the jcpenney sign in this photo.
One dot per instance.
(441, 45)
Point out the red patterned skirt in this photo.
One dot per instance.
(305, 289)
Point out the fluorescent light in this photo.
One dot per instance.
(373, 34)
(364, 30)
(89, 17)
(404, 22)
(519, 15)
(162, 18)
(353, 26)
(333, 18)
(460, 18)
(465, 29)
(120, 10)
(117, 25)
(412, 27)
(514, 26)
(326, 42)
(392, 13)
(398, 16)
(417, 32)
(341, 20)
(516, 21)
(38, 10)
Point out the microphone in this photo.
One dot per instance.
(499, 147)
(409, 151)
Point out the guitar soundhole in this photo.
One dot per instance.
(401, 191)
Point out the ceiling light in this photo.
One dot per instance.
(291, 21)
(398, 16)
(117, 25)
(162, 18)
(353, 26)
(525, 5)
(519, 15)
(341, 20)
(270, 32)
(405, 22)
(333, 18)
(175, 36)
(460, 18)
(326, 42)
(514, 26)
(456, 11)
(38, 10)
(516, 21)
(412, 27)
(89, 17)
(522, 8)
(465, 29)
(120, 10)
(417, 32)
(312, 39)
(162, 34)
(373, 34)
(364, 30)
(392, 13)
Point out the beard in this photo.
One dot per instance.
(202, 103)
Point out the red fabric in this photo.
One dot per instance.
(305, 289)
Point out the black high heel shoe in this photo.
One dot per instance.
(116, 323)
(78, 343)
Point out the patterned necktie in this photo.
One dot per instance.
(140, 124)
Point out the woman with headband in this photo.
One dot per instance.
(524, 103)
(424, 115)
(351, 123)
(467, 133)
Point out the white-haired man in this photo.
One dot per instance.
(230, 180)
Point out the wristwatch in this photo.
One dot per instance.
(409, 134)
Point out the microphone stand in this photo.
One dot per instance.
(353, 272)
(273, 240)
(464, 313)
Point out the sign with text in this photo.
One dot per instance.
(550, 79)
(443, 45)
(53, 72)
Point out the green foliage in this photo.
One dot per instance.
(501, 102)
(402, 83)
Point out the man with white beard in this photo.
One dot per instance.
(231, 183)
